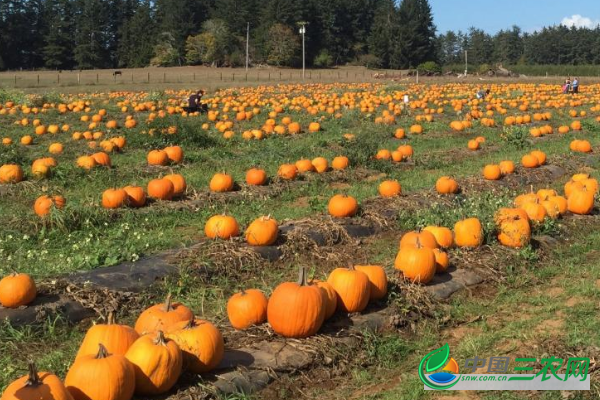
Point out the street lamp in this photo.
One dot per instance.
(303, 33)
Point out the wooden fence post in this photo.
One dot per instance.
(78, 79)
(148, 77)
(97, 78)
(38, 79)
(164, 77)
(15, 80)
(58, 78)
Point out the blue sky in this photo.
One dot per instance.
(530, 15)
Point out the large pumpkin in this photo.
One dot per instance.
(296, 309)
(581, 202)
(247, 308)
(513, 227)
(116, 338)
(101, 377)
(221, 183)
(36, 386)
(11, 173)
(377, 278)
(17, 290)
(417, 263)
(262, 232)
(161, 189)
(157, 157)
(352, 287)
(114, 198)
(157, 362)
(468, 233)
(201, 343)
(423, 238)
(162, 317)
(342, 206)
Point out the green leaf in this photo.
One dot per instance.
(437, 358)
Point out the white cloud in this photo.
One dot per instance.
(580, 21)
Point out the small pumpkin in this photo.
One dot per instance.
(304, 166)
(136, 197)
(161, 317)
(114, 198)
(330, 297)
(513, 227)
(174, 154)
(43, 204)
(530, 161)
(179, 184)
(247, 308)
(353, 289)
(342, 206)
(17, 290)
(492, 172)
(581, 202)
(340, 163)
(101, 377)
(37, 386)
(11, 173)
(390, 188)
(86, 162)
(157, 157)
(423, 238)
(157, 362)
(262, 232)
(288, 171)
(161, 189)
(296, 309)
(442, 261)
(221, 226)
(221, 182)
(377, 278)
(201, 342)
(443, 236)
(507, 167)
(446, 185)
(256, 177)
(321, 164)
(102, 159)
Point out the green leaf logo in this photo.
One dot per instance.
(437, 358)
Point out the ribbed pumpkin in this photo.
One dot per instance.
(352, 287)
(221, 182)
(11, 173)
(390, 188)
(468, 233)
(174, 154)
(162, 317)
(201, 343)
(256, 177)
(179, 184)
(161, 189)
(247, 308)
(157, 362)
(262, 231)
(101, 377)
(330, 297)
(446, 185)
(221, 226)
(36, 386)
(581, 202)
(342, 206)
(377, 278)
(17, 290)
(116, 338)
(102, 159)
(417, 263)
(423, 238)
(296, 309)
(136, 197)
(443, 236)
(513, 227)
(114, 198)
(157, 157)
(287, 172)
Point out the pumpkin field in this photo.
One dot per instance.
(297, 240)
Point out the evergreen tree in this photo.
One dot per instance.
(58, 49)
(384, 33)
(92, 35)
(416, 34)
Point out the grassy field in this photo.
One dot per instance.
(505, 315)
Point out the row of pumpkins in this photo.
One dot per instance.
(115, 361)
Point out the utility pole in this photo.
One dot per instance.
(466, 63)
(247, 46)
(303, 33)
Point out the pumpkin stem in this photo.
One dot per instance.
(34, 377)
(350, 266)
(190, 324)
(168, 303)
(111, 318)
(102, 352)
(160, 339)
(302, 276)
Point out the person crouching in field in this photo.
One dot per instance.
(195, 102)
(482, 94)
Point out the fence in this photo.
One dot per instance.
(215, 77)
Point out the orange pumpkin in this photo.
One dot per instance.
(162, 317)
(247, 308)
(221, 226)
(342, 206)
(353, 289)
(17, 290)
(262, 232)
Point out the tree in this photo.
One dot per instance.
(58, 53)
(165, 52)
(382, 40)
(283, 46)
(92, 35)
(416, 42)
(213, 46)
(137, 37)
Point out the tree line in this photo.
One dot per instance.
(87, 34)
